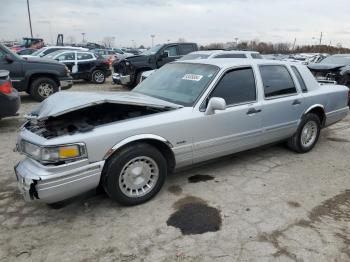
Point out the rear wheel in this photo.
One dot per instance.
(41, 88)
(98, 76)
(135, 174)
(307, 134)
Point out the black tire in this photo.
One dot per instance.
(98, 76)
(295, 142)
(117, 163)
(41, 88)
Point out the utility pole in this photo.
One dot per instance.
(83, 34)
(321, 38)
(30, 20)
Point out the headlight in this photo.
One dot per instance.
(54, 154)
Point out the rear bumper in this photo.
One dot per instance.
(9, 103)
(66, 83)
(51, 184)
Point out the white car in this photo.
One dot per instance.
(50, 49)
(212, 54)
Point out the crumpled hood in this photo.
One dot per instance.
(64, 102)
(324, 67)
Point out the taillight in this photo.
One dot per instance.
(6, 87)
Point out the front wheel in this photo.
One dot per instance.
(42, 88)
(98, 77)
(307, 134)
(135, 174)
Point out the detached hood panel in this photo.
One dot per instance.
(324, 67)
(64, 102)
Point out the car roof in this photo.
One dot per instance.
(231, 62)
(211, 52)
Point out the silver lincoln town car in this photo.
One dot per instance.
(186, 112)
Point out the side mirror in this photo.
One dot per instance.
(215, 103)
(8, 58)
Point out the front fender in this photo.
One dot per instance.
(134, 139)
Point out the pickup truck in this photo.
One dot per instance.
(129, 70)
(38, 77)
(187, 112)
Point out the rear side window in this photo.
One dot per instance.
(236, 87)
(84, 56)
(231, 56)
(300, 79)
(185, 49)
(256, 56)
(276, 80)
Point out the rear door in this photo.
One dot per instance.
(283, 103)
(86, 62)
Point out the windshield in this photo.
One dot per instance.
(153, 50)
(336, 60)
(10, 51)
(178, 83)
(194, 56)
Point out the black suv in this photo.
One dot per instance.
(38, 77)
(128, 71)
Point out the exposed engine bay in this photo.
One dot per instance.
(86, 119)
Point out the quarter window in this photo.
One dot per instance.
(277, 81)
(231, 56)
(300, 79)
(172, 50)
(236, 86)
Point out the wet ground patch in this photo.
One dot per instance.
(194, 216)
(175, 189)
(293, 204)
(338, 139)
(200, 178)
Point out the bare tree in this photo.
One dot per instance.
(108, 41)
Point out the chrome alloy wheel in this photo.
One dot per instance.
(99, 77)
(139, 176)
(309, 134)
(45, 89)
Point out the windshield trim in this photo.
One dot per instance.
(218, 69)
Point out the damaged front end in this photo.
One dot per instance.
(331, 74)
(58, 141)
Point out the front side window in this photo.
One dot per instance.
(66, 57)
(172, 51)
(231, 56)
(300, 79)
(276, 80)
(179, 83)
(236, 87)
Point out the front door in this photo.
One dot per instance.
(15, 69)
(173, 54)
(236, 128)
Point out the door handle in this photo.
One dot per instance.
(252, 111)
(296, 102)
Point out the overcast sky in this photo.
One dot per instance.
(201, 21)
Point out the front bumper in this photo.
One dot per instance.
(9, 103)
(66, 83)
(51, 184)
(121, 79)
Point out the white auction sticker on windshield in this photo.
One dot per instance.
(192, 77)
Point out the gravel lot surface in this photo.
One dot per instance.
(267, 204)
